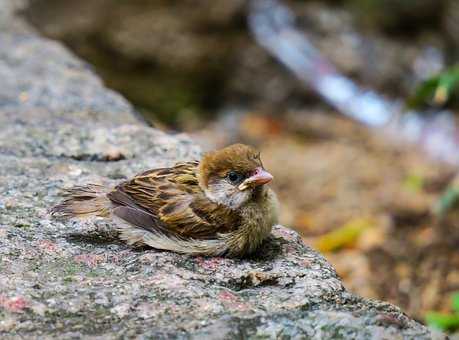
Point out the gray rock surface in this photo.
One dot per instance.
(41, 76)
(60, 127)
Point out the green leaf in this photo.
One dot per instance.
(443, 321)
(344, 236)
(447, 201)
(423, 93)
(455, 302)
(413, 182)
(437, 90)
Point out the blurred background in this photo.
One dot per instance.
(376, 201)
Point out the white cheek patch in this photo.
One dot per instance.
(226, 194)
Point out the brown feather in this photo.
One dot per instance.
(173, 208)
(83, 201)
(174, 198)
(139, 218)
(239, 157)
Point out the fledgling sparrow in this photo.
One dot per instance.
(218, 206)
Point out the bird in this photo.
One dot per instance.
(218, 206)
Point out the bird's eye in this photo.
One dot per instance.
(234, 177)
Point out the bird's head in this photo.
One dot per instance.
(233, 175)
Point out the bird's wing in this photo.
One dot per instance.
(170, 200)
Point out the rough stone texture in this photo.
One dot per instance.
(75, 279)
(41, 76)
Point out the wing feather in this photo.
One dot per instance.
(171, 200)
(138, 218)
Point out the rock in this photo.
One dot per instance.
(9, 22)
(76, 279)
(43, 77)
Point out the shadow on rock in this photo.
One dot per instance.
(95, 238)
(270, 249)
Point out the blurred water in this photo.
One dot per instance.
(273, 26)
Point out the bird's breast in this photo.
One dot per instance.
(257, 220)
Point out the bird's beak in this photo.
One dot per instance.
(259, 177)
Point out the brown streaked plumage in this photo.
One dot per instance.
(218, 206)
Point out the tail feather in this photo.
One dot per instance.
(84, 201)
